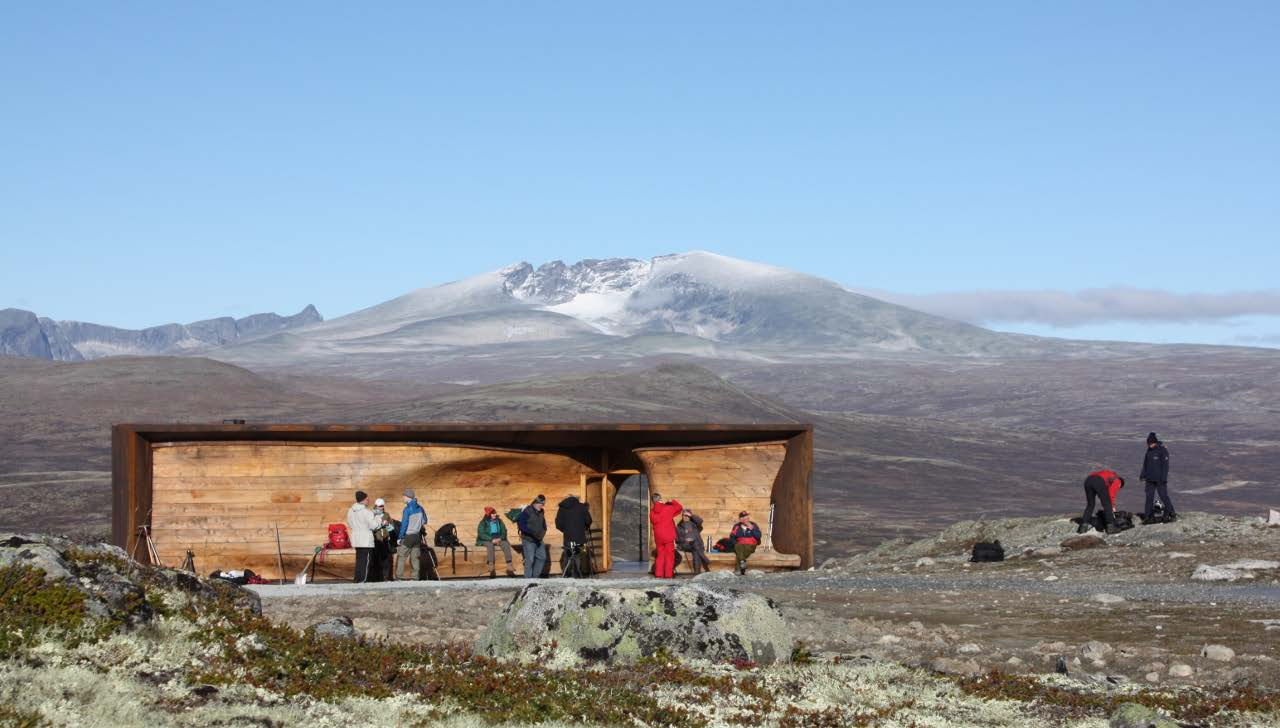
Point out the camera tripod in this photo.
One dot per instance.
(573, 564)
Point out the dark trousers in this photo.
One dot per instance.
(1163, 488)
(700, 560)
(1096, 487)
(364, 557)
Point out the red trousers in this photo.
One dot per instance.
(664, 566)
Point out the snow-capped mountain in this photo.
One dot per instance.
(698, 304)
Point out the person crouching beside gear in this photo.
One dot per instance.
(1155, 473)
(361, 522)
(573, 521)
(1104, 486)
(532, 525)
(412, 522)
(492, 533)
(662, 516)
(384, 542)
(746, 537)
(689, 539)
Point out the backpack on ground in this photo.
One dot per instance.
(984, 551)
(338, 536)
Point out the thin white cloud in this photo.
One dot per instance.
(1090, 306)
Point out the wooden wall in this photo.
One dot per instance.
(718, 482)
(224, 500)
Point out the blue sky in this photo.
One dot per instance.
(164, 161)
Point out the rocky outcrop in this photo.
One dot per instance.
(21, 335)
(574, 624)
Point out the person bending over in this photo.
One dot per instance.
(1102, 486)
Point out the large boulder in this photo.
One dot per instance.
(573, 624)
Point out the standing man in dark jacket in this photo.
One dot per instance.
(1155, 473)
(532, 524)
(573, 519)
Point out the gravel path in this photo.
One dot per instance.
(1262, 595)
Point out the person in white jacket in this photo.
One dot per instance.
(361, 522)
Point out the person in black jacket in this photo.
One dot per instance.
(573, 519)
(689, 539)
(532, 524)
(1155, 473)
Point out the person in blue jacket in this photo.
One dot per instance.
(1155, 473)
(412, 523)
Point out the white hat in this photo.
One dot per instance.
(379, 502)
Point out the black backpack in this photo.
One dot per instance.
(447, 537)
(987, 552)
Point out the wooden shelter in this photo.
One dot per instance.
(227, 492)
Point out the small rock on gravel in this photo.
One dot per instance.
(1079, 543)
(1153, 677)
(335, 627)
(1107, 598)
(1205, 572)
(924, 561)
(1220, 653)
(1095, 650)
(1180, 669)
(951, 666)
(969, 648)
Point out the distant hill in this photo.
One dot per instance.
(22, 333)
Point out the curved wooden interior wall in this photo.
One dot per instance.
(223, 500)
(718, 482)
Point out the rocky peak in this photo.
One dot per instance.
(555, 282)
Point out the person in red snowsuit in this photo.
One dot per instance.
(1103, 486)
(662, 517)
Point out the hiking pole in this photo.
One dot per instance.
(279, 554)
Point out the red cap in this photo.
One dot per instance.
(488, 510)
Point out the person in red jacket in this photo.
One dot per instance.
(662, 516)
(1104, 486)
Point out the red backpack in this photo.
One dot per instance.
(338, 536)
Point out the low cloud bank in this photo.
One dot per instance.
(1088, 306)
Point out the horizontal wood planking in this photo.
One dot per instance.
(717, 483)
(224, 501)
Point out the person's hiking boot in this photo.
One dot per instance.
(1083, 528)
(1112, 529)
(510, 573)
(1170, 517)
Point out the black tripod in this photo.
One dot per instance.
(573, 564)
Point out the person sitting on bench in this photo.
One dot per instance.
(492, 533)
(689, 539)
(746, 537)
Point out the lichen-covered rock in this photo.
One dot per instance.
(570, 624)
(1133, 715)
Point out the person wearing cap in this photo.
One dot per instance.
(384, 542)
(745, 536)
(532, 525)
(662, 517)
(361, 522)
(689, 539)
(492, 533)
(1155, 473)
(413, 520)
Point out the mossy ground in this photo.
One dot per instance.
(208, 662)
